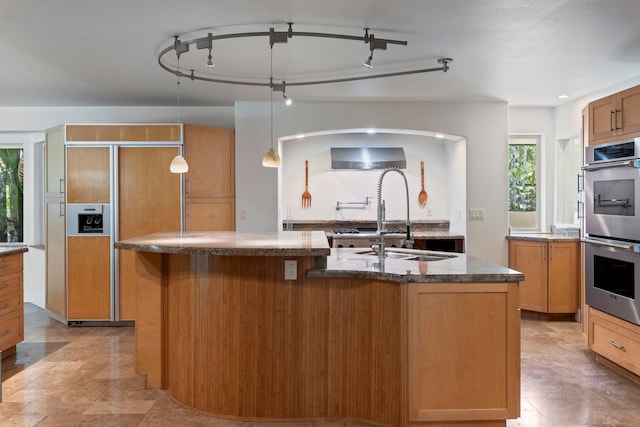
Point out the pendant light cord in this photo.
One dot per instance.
(271, 95)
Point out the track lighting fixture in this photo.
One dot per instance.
(282, 37)
(178, 163)
(271, 159)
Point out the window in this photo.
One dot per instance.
(523, 182)
(11, 192)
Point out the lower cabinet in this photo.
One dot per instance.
(11, 303)
(463, 352)
(551, 274)
(89, 278)
(615, 340)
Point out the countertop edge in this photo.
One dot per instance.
(417, 278)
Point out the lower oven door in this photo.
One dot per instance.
(612, 278)
(612, 194)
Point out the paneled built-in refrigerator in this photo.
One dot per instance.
(108, 191)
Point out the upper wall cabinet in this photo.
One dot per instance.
(614, 117)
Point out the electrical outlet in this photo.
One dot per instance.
(290, 269)
(476, 214)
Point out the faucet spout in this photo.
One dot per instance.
(382, 214)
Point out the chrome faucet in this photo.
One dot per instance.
(382, 230)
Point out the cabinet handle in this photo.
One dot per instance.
(61, 185)
(618, 346)
(618, 112)
(580, 210)
(2, 307)
(4, 286)
(544, 253)
(188, 187)
(611, 120)
(551, 253)
(188, 207)
(5, 332)
(61, 206)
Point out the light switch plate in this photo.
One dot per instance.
(476, 214)
(290, 269)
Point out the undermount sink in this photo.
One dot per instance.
(408, 256)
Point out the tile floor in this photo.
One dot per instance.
(68, 376)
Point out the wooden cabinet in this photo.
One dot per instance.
(615, 117)
(210, 181)
(88, 175)
(55, 259)
(89, 278)
(463, 352)
(551, 274)
(11, 303)
(615, 340)
(54, 160)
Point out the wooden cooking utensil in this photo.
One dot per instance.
(422, 196)
(306, 196)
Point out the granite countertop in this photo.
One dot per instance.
(350, 263)
(230, 243)
(11, 250)
(548, 237)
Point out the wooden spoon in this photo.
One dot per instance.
(422, 196)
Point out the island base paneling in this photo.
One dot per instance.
(245, 344)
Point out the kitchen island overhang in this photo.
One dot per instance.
(220, 328)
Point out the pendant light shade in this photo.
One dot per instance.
(271, 159)
(179, 165)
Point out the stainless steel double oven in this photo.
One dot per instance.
(612, 228)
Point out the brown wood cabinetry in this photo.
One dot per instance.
(615, 117)
(11, 303)
(88, 175)
(210, 181)
(54, 153)
(55, 259)
(551, 274)
(615, 340)
(457, 345)
(89, 278)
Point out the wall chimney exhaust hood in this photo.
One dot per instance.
(368, 158)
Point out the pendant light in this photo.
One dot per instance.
(271, 159)
(178, 164)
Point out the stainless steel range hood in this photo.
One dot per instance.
(368, 158)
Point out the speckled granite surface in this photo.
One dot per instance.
(10, 250)
(547, 237)
(351, 262)
(339, 262)
(230, 243)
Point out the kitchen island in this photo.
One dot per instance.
(419, 338)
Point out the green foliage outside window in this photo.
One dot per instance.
(522, 178)
(11, 188)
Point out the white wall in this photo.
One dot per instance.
(327, 186)
(483, 124)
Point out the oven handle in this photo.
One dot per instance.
(631, 247)
(625, 163)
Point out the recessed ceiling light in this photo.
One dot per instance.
(563, 96)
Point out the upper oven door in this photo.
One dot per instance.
(612, 191)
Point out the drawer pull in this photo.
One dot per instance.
(7, 305)
(618, 346)
(3, 333)
(4, 286)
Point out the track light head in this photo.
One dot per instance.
(209, 62)
(287, 101)
(367, 63)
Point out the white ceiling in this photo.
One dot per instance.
(525, 52)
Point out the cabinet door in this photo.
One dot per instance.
(629, 101)
(210, 153)
(88, 177)
(54, 152)
(89, 277)
(149, 202)
(203, 214)
(602, 119)
(56, 285)
(463, 352)
(563, 277)
(530, 258)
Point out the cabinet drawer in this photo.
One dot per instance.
(619, 344)
(10, 264)
(10, 303)
(11, 329)
(10, 284)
